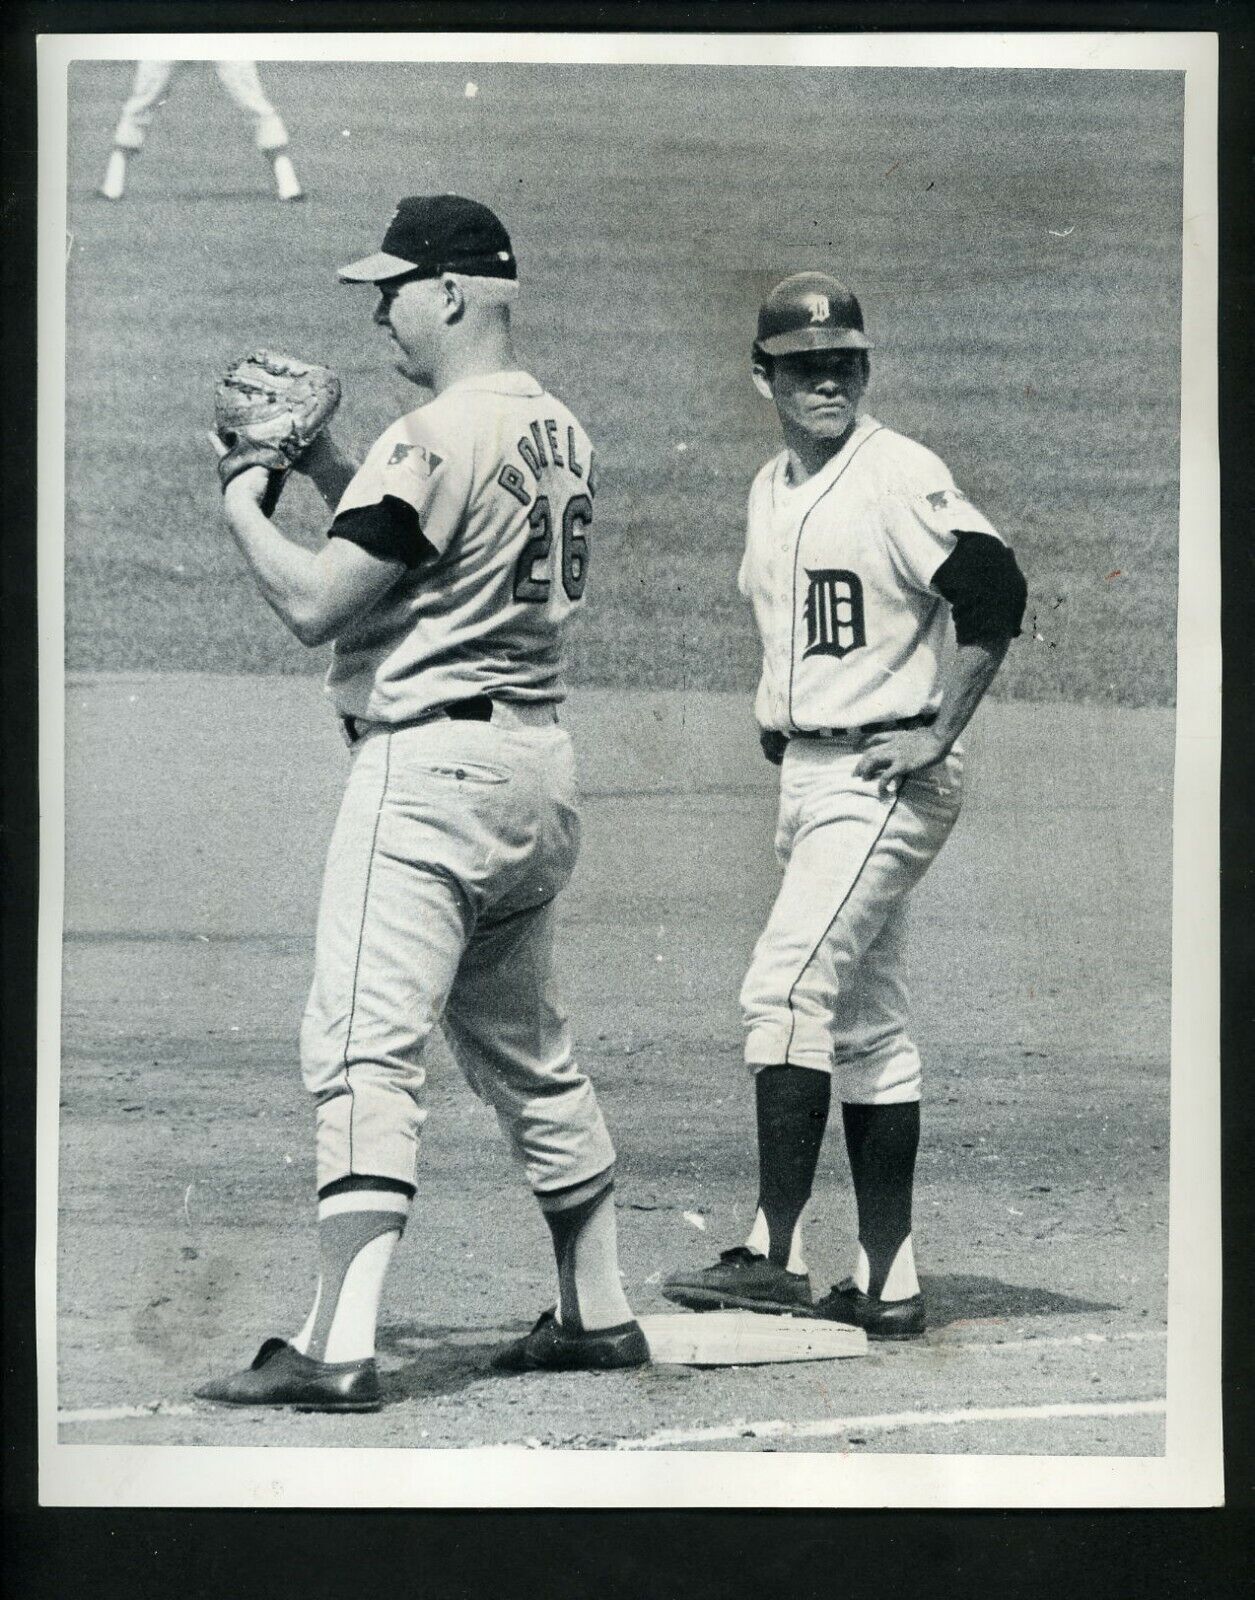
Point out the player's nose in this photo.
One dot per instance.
(381, 311)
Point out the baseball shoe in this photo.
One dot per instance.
(550, 1347)
(743, 1280)
(281, 1376)
(113, 184)
(879, 1319)
(287, 185)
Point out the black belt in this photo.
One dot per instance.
(897, 725)
(478, 708)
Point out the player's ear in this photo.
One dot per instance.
(452, 297)
(760, 371)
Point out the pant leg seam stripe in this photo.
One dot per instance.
(361, 932)
(828, 928)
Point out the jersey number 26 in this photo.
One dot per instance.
(577, 516)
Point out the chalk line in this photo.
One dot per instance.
(158, 1408)
(891, 1421)
(169, 1408)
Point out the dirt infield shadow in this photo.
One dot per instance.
(439, 1358)
(961, 1297)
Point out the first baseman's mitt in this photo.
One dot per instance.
(268, 410)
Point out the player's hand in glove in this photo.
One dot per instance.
(890, 757)
(253, 483)
(268, 410)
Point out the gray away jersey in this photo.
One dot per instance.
(500, 476)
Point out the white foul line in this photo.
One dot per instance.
(169, 1408)
(892, 1420)
(1063, 1342)
(158, 1408)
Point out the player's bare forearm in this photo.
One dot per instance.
(890, 757)
(974, 668)
(313, 594)
(284, 572)
(329, 467)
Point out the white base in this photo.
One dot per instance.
(747, 1338)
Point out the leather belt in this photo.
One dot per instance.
(479, 708)
(897, 725)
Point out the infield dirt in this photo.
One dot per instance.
(199, 807)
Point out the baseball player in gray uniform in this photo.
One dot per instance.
(885, 602)
(457, 553)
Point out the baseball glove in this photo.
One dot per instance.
(268, 409)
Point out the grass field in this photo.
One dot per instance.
(1017, 250)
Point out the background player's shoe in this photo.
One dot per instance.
(879, 1319)
(113, 184)
(550, 1347)
(742, 1280)
(281, 1376)
(287, 185)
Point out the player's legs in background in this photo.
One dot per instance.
(828, 830)
(851, 856)
(242, 82)
(821, 922)
(152, 78)
(791, 1108)
(877, 1068)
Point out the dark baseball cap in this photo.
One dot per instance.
(810, 311)
(434, 233)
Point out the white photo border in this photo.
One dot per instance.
(1190, 1473)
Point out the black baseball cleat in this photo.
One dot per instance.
(743, 1281)
(879, 1319)
(281, 1376)
(550, 1347)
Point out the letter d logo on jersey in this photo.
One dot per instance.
(834, 613)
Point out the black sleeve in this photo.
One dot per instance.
(389, 529)
(985, 587)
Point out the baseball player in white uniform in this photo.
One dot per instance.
(457, 553)
(885, 602)
(242, 83)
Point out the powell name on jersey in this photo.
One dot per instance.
(490, 488)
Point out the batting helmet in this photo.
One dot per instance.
(809, 311)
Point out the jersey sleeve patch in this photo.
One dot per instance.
(947, 510)
(414, 464)
(422, 461)
(986, 590)
(389, 529)
(943, 500)
(921, 525)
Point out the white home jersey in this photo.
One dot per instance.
(838, 571)
(500, 476)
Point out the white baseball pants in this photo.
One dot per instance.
(240, 80)
(826, 986)
(452, 841)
